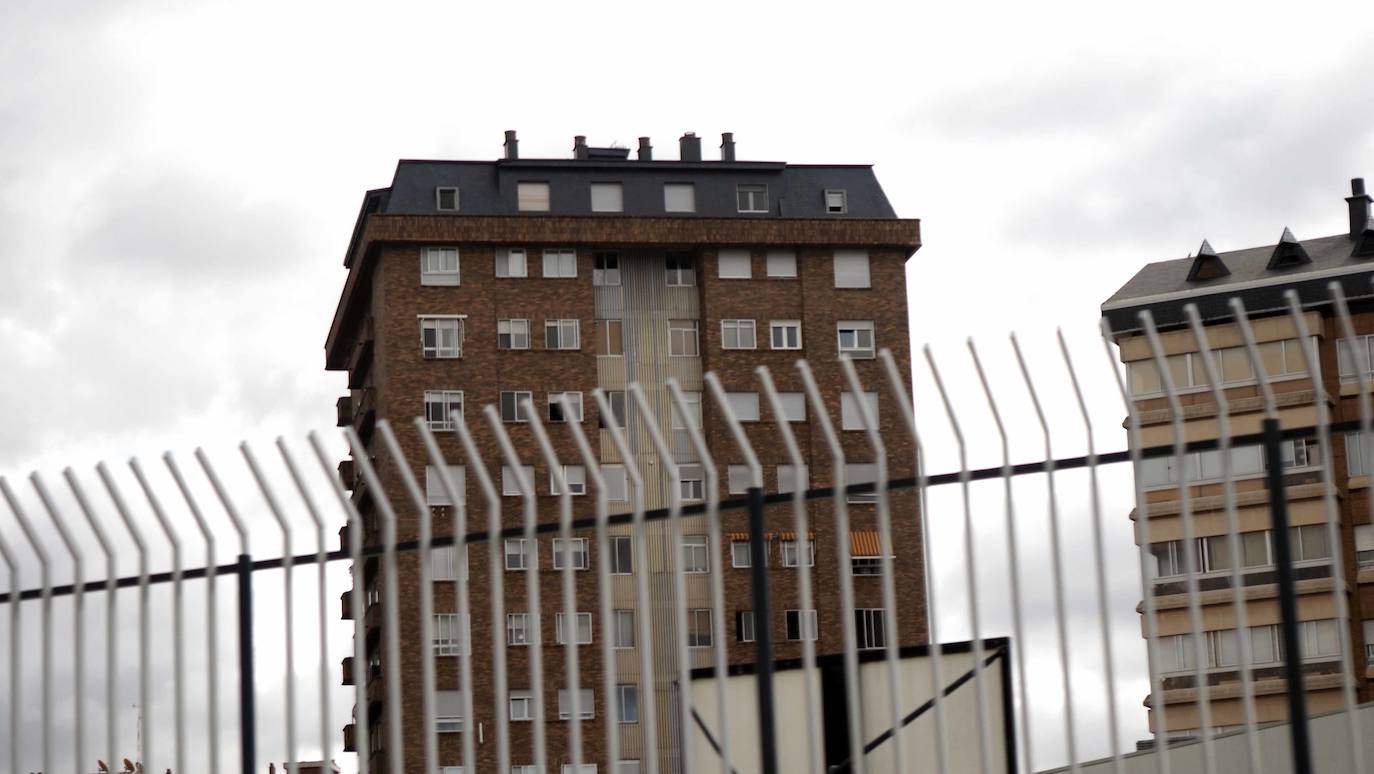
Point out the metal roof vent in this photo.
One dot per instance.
(1207, 265)
(1359, 208)
(1289, 252)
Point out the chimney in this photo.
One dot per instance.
(580, 147)
(512, 146)
(689, 147)
(646, 151)
(1359, 207)
(727, 146)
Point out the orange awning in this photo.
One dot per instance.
(737, 537)
(864, 544)
(788, 537)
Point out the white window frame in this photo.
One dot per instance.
(675, 204)
(744, 404)
(604, 337)
(584, 633)
(737, 479)
(734, 263)
(516, 405)
(696, 555)
(751, 198)
(836, 201)
(575, 475)
(743, 632)
(510, 484)
(563, 262)
(611, 197)
(785, 327)
(691, 483)
(738, 327)
(580, 552)
(439, 191)
(449, 624)
(852, 268)
(441, 324)
(533, 196)
(680, 269)
(444, 564)
(684, 338)
(512, 262)
(439, 408)
(448, 723)
(851, 414)
(567, 334)
(557, 411)
(790, 553)
(861, 473)
(699, 636)
(615, 545)
(440, 275)
(435, 495)
(518, 630)
(620, 407)
(603, 273)
(866, 566)
(513, 333)
(793, 406)
(692, 399)
(805, 620)
(781, 264)
(523, 699)
(800, 476)
(621, 691)
(870, 628)
(856, 329)
(618, 642)
(586, 705)
(617, 483)
(740, 556)
(527, 551)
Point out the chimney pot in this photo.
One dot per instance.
(512, 145)
(1358, 201)
(689, 147)
(727, 146)
(580, 147)
(646, 151)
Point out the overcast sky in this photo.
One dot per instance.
(178, 183)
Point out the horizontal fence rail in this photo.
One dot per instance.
(654, 601)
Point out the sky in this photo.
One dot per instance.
(178, 183)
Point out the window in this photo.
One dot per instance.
(786, 334)
(445, 198)
(560, 262)
(439, 266)
(782, 263)
(606, 268)
(793, 555)
(443, 563)
(695, 556)
(627, 767)
(680, 270)
(1351, 366)
(616, 400)
(617, 488)
(734, 264)
(793, 478)
(793, 406)
(574, 549)
(1354, 455)
(856, 338)
(561, 334)
(1200, 466)
(869, 629)
(448, 634)
(745, 405)
(627, 700)
(448, 714)
(441, 406)
(1319, 639)
(565, 407)
(521, 706)
(441, 337)
(851, 269)
(682, 338)
(836, 201)
(851, 415)
(584, 628)
(751, 198)
(737, 334)
(586, 768)
(801, 624)
(744, 625)
(513, 405)
(1168, 558)
(622, 555)
(623, 628)
(518, 554)
(524, 769)
(512, 334)
(532, 197)
(610, 338)
(450, 770)
(435, 494)
(1188, 370)
(510, 262)
(692, 401)
(866, 565)
(585, 706)
(690, 483)
(1309, 542)
(737, 479)
(575, 475)
(607, 197)
(679, 197)
(699, 628)
(510, 483)
(739, 554)
(861, 473)
(517, 625)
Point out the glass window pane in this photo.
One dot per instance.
(1144, 377)
(1235, 365)
(1255, 548)
(1293, 358)
(1271, 356)
(1178, 370)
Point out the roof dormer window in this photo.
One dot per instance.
(1288, 252)
(532, 197)
(446, 198)
(836, 201)
(752, 198)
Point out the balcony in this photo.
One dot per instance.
(349, 734)
(347, 666)
(365, 415)
(344, 408)
(346, 603)
(348, 473)
(360, 362)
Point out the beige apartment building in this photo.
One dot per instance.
(1313, 476)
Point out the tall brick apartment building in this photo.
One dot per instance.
(487, 282)
(1259, 276)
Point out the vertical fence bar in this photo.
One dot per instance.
(1283, 557)
(79, 614)
(14, 660)
(211, 614)
(758, 571)
(46, 630)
